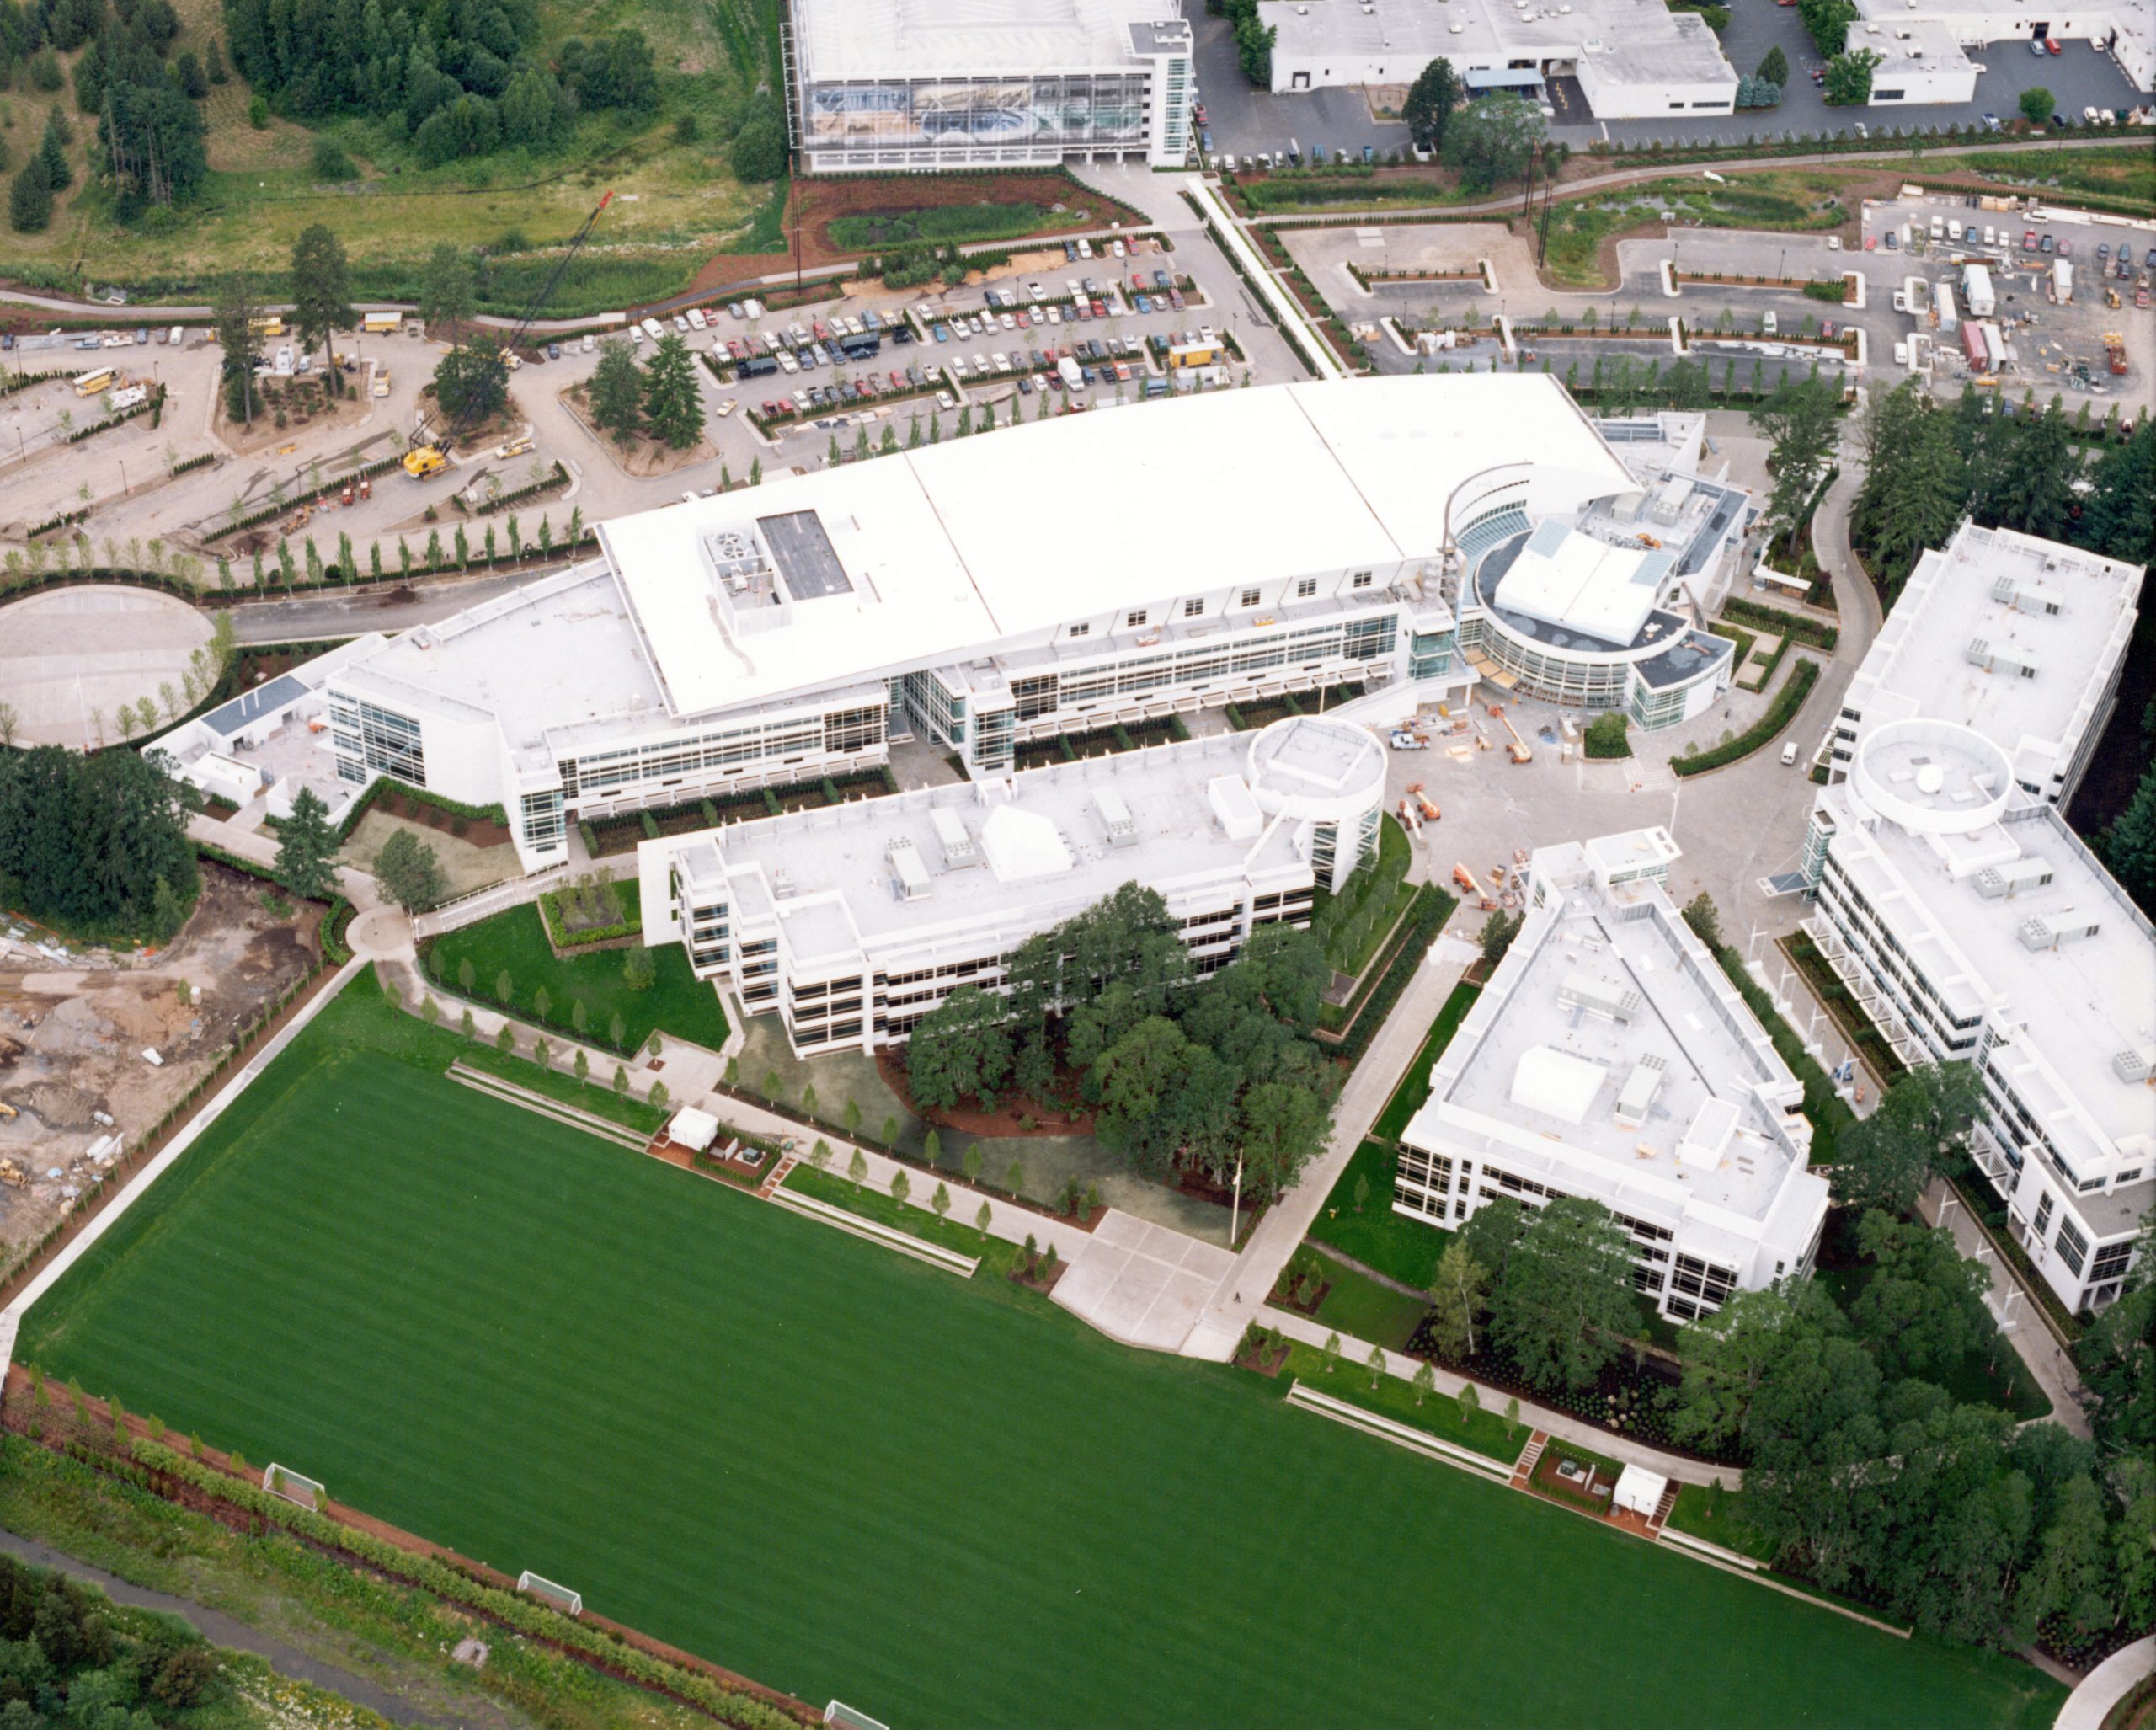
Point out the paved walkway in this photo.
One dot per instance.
(1354, 1353)
(1239, 1294)
(2012, 1305)
(1142, 1284)
(2106, 1685)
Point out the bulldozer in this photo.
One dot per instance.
(12, 1174)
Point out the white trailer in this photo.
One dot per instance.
(1942, 295)
(2061, 282)
(1976, 290)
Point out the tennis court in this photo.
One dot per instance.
(846, 1474)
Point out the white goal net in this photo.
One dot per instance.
(283, 1480)
(548, 1591)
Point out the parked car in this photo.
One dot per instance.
(1402, 740)
(553, 351)
(2036, 47)
(2052, 47)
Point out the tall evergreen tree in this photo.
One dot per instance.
(671, 403)
(617, 392)
(52, 151)
(322, 289)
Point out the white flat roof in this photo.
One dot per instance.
(953, 547)
(1562, 577)
(1919, 666)
(2076, 1005)
(1909, 45)
(1630, 41)
(869, 39)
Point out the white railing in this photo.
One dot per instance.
(462, 909)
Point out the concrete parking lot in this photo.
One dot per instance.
(1243, 119)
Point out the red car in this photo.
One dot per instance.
(2051, 42)
(2028, 240)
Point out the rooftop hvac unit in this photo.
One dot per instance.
(1638, 1092)
(782, 883)
(2043, 933)
(2132, 1065)
(1115, 817)
(1599, 996)
(2012, 877)
(910, 879)
(953, 837)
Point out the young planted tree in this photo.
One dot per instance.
(1457, 1294)
(616, 391)
(410, 874)
(856, 1168)
(1425, 1382)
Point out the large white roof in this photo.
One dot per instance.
(867, 39)
(956, 549)
(1562, 577)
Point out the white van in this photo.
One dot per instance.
(1789, 754)
(1768, 325)
(654, 329)
(178, 336)
(1938, 227)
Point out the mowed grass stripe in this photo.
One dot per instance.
(846, 1474)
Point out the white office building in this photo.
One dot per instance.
(1223, 549)
(1972, 924)
(853, 922)
(924, 84)
(1610, 1058)
(2020, 639)
(1634, 58)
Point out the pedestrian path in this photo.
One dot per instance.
(1140, 1282)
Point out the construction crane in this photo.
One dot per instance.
(430, 452)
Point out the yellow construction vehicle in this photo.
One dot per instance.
(422, 462)
(11, 1174)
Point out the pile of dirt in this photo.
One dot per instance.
(62, 1107)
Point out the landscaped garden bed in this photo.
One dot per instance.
(1249, 717)
(1569, 1474)
(622, 833)
(1102, 742)
(1440, 1415)
(592, 913)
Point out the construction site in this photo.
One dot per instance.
(95, 1046)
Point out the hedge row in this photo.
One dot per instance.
(511, 1609)
(1809, 632)
(1780, 713)
(202, 461)
(152, 403)
(559, 478)
(389, 783)
(550, 909)
(1433, 907)
(24, 381)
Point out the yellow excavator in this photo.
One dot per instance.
(430, 453)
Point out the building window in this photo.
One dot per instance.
(1250, 597)
(1192, 609)
(2044, 1212)
(1135, 619)
(1361, 580)
(1305, 587)
(1081, 630)
(2073, 1246)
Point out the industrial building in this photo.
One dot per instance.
(1633, 59)
(913, 84)
(2020, 639)
(1972, 924)
(1610, 1058)
(1261, 542)
(852, 923)
(1919, 62)
(2124, 30)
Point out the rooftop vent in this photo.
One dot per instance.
(2048, 933)
(2132, 1065)
(1116, 819)
(1599, 996)
(2012, 877)
(910, 879)
(951, 834)
(1639, 1091)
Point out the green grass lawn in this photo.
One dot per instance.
(678, 1003)
(1375, 1235)
(1719, 1520)
(1357, 1305)
(885, 1209)
(1414, 1089)
(846, 1474)
(1355, 922)
(1483, 1433)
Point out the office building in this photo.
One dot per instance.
(853, 922)
(1060, 577)
(1631, 58)
(1971, 925)
(1610, 1058)
(881, 84)
(2020, 639)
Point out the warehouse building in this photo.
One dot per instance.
(915, 84)
(1633, 59)
(2020, 639)
(1971, 925)
(2123, 29)
(853, 923)
(1261, 542)
(1610, 1058)
(1919, 62)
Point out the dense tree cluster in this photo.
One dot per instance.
(1492, 140)
(661, 399)
(1183, 1073)
(1802, 420)
(96, 843)
(66, 1658)
(1929, 466)
(1864, 1473)
(1430, 100)
(1254, 38)
(457, 80)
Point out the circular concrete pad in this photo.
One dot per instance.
(69, 656)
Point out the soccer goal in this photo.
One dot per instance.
(283, 1480)
(547, 1591)
(846, 1718)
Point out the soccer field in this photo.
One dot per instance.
(846, 1474)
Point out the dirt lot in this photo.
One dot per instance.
(71, 1041)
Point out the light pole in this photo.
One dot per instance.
(1235, 1212)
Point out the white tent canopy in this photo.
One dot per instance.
(1640, 1491)
(692, 1128)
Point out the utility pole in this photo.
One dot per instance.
(1235, 1212)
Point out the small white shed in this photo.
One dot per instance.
(1639, 1491)
(693, 1130)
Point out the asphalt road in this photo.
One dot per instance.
(323, 618)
